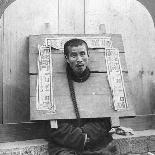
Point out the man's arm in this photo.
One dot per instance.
(97, 129)
(68, 136)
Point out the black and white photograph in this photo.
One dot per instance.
(77, 77)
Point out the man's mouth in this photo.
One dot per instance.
(79, 65)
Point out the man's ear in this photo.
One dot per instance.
(88, 53)
(66, 58)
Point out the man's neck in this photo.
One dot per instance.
(79, 74)
(79, 77)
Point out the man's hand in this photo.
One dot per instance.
(122, 131)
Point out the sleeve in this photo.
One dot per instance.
(68, 136)
(97, 130)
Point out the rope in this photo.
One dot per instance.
(73, 97)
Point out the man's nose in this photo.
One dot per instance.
(79, 59)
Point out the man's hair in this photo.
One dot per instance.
(74, 43)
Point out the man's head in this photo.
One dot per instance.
(76, 54)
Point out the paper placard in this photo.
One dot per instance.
(45, 100)
(93, 42)
(115, 78)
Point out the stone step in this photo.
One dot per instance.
(141, 142)
(28, 147)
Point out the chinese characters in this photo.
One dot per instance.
(115, 79)
(45, 100)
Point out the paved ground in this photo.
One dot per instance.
(141, 142)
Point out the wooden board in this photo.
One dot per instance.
(34, 40)
(97, 84)
(94, 94)
(66, 111)
(139, 123)
(23, 131)
(96, 61)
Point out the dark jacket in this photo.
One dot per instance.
(71, 136)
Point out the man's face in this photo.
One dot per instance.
(78, 58)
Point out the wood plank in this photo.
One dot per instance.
(1, 69)
(117, 42)
(36, 130)
(96, 61)
(99, 85)
(65, 109)
(71, 18)
(139, 123)
(90, 95)
(23, 131)
(115, 121)
(16, 62)
(34, 40)
(153, 122)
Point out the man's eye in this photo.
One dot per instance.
(82, 53)
(73, 55)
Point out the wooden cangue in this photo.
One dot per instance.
(94, 96)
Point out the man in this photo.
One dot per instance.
(80, 136)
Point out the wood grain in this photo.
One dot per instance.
(91, 95)
(96, 61)
(139, 123)
(1, 69)
(96, 84)
(23, 131)
(34, 40)
(98, 105)
(71, 17)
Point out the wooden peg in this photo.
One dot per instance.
(54, 124)
(115, 122)
(102, 29)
